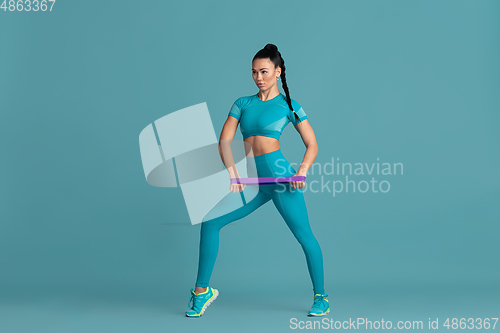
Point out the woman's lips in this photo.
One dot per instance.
(260, 84)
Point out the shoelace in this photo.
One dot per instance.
(192, 299)
(318, 300)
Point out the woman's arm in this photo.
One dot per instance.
(226, 137)
(307, 134)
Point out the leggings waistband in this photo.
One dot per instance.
(271, 156)
(272, 164)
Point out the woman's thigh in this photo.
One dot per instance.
(288, 200)
(235, 206)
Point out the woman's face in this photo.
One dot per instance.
(264, 74)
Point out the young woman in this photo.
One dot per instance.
(262, 118)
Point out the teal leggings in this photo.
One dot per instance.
(289, 202)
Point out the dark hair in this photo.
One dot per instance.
(271, 51)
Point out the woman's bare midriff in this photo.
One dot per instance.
(261, 145)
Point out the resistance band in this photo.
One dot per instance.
(267, 180)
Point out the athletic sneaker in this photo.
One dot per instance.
(201, 301)
(320, 307)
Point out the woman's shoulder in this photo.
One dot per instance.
(247, 97)
(243, 101)
(295, 105)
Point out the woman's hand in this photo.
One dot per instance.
(298, 184)
(235, 188)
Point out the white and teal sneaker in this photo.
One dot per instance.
(201, 301)
(320, 307)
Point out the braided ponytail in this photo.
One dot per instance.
(271, 51)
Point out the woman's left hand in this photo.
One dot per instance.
(298, 184)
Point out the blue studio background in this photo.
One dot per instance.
(87, 245)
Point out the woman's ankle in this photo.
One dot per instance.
(198, 290)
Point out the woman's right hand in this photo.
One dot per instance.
(235, 188)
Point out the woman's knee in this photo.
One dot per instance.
(210, 226)
(304, 235)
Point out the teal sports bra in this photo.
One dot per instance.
(266, 118)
